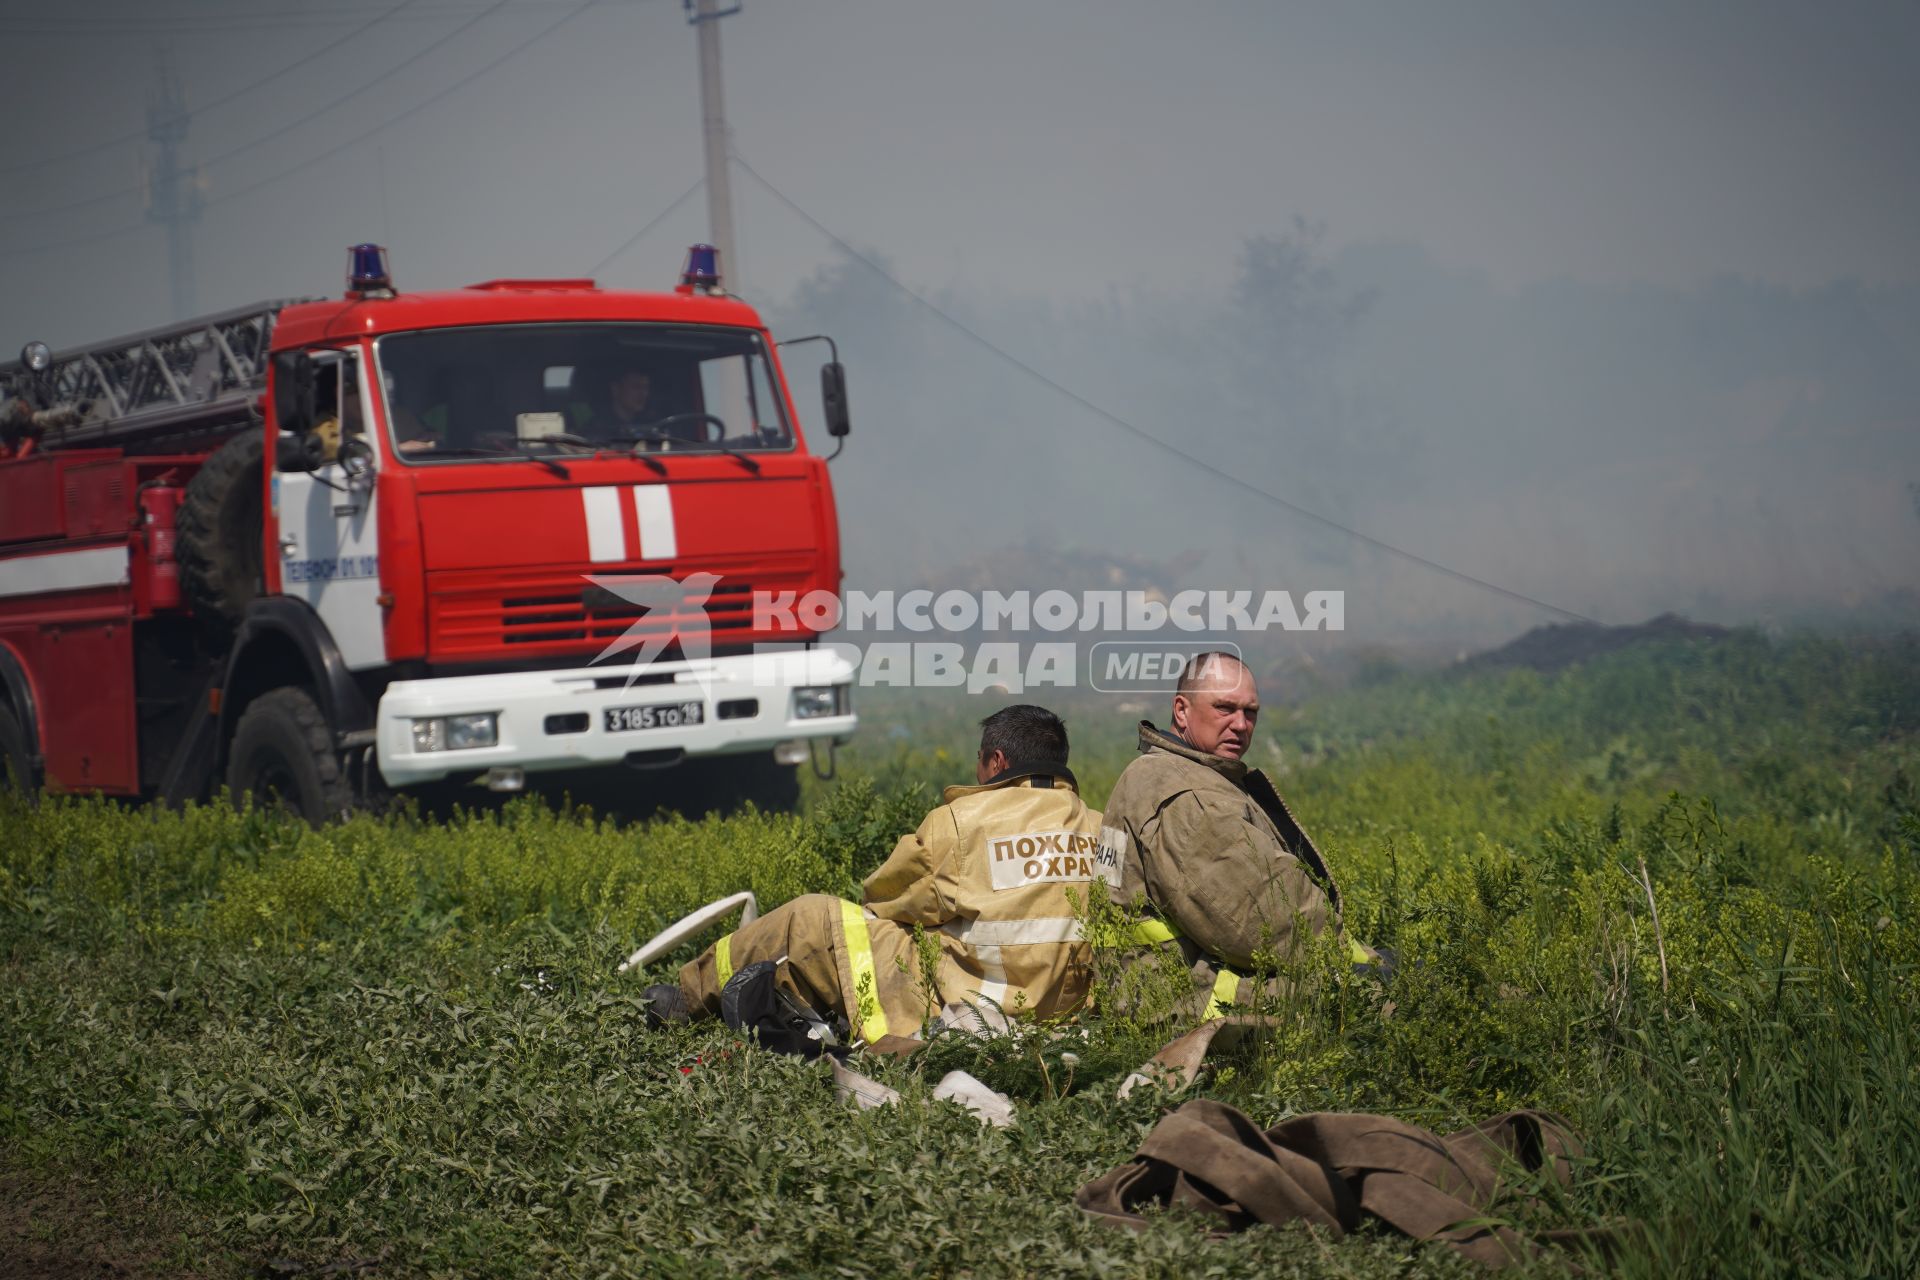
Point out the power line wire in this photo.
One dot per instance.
(72, 242)
(1142, 434)
(657, 219)
(252, 19)
(28, 166)
(117, 232)
(595, 270)
(280, 132)
(383, 126)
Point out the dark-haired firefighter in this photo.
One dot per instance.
(986, 879)
(1207, 846)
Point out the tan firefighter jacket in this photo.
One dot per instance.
(1215, 854)
(988, 875)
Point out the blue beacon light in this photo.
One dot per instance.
(703, 268)
(367, 273)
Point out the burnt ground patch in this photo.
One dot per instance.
(1560, 645)
(64, 1223)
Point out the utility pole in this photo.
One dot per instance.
(173, 193)
(705, 16)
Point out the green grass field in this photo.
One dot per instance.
(255, 1045)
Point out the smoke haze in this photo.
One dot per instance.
(1616, 307)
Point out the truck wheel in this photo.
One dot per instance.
(16, 756)
(283, 755)
(219, 531)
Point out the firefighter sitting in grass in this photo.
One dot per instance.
(1206, 846)
(986, 878)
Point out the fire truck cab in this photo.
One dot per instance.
(505, 535)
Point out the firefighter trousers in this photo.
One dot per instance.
(839, 959)
(1206, 987)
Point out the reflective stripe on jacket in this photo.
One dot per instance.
(1225, 987)
(988, 876)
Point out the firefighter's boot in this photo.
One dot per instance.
(665, 1003)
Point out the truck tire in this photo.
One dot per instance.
(16, 756)
(282, 754)
(219, 531)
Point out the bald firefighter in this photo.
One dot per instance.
(1208, 848)
(986, 878)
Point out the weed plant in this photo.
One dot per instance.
(1669, 895)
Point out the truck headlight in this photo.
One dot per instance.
(457, 733)
(811, 702)
(480, 730)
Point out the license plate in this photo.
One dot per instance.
(659, 715)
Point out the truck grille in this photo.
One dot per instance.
(570, 615)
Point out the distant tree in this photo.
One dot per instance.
(1304, 429)
(1297, 313)
(862, 310)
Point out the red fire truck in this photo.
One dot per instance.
(320, 550)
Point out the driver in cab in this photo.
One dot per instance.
(627, 413)
(627, 397)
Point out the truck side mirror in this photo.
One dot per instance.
(294, 391)
(303, 452)
(833, 398)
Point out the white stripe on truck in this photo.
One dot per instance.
(653, 505)
(64, 571)
(606, 540)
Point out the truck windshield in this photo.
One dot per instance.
(504, 390)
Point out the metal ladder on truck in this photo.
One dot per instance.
(172, 389)
(172, 395)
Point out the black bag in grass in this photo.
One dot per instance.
(753, 1003)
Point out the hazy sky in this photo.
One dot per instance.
(1646, 277)
(1061, 149)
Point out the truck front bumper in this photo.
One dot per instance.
(552, 720)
